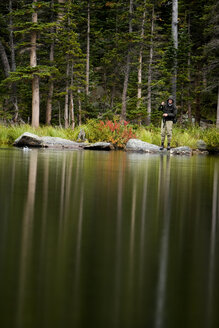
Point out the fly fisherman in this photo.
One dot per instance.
(169, 114)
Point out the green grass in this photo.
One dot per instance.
(151, 135)
(9, 134)
(181, 136)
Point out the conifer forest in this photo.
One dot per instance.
(65, 61)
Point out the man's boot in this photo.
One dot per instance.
(168, 146)
(162, 146)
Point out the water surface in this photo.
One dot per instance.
(108, 239)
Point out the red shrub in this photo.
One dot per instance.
(118, 133)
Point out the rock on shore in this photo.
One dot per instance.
(136, 145)
(181, 151)
(31, 140)
(99, 146)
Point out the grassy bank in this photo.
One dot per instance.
(183, 137)
(9, 134)
(116, 133)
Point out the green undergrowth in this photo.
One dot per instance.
(117, 133)
(9, 134)
(182, 136)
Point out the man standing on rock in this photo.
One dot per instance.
(169, 115)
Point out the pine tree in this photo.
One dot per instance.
(212, 51)
(105, 58)
(139, 93)
(5, 61)
(88, 49)
(51, 82)
(175, 43)
(33, 64)
(150, 66)
(13, 62)
(127, 68)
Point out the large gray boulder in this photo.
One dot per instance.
(137, 145)
(28, 140)
(99, 146)
(31, 140)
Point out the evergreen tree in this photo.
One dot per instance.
(212, 54)
(105, 58)
(33, 64)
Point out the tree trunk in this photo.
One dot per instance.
(189, 75)
(79, 108)
(4, 59)
(150, 67)
(198, 109)
(175, 43)
(88, 49)
(60, 121)
(49, 102)
(51, 84)
(72, 100)
(13, 64)
(217, 121)
(139, 94)
(66, 96)
(61, 10)
(127, 70)
(35, 80)
(113, 96)
(125, 88)
(197, 91)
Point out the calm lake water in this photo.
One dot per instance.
(108, 239)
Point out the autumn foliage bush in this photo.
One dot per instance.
(118, 133)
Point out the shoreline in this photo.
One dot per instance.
(134, 145)
(198, 139)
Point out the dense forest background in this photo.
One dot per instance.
(65, 61)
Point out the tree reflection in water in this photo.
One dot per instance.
(108, 240)
(27, 240)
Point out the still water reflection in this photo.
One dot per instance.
(108, 239)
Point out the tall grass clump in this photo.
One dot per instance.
(91, 130)
(3, 136)
(149, 134)
(183, 138)
(92, 133)
(211, 138)
(52, 132)
(9, 134)
(144, 134)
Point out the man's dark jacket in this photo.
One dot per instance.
(169, 109)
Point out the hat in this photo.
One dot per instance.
(170, 98)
